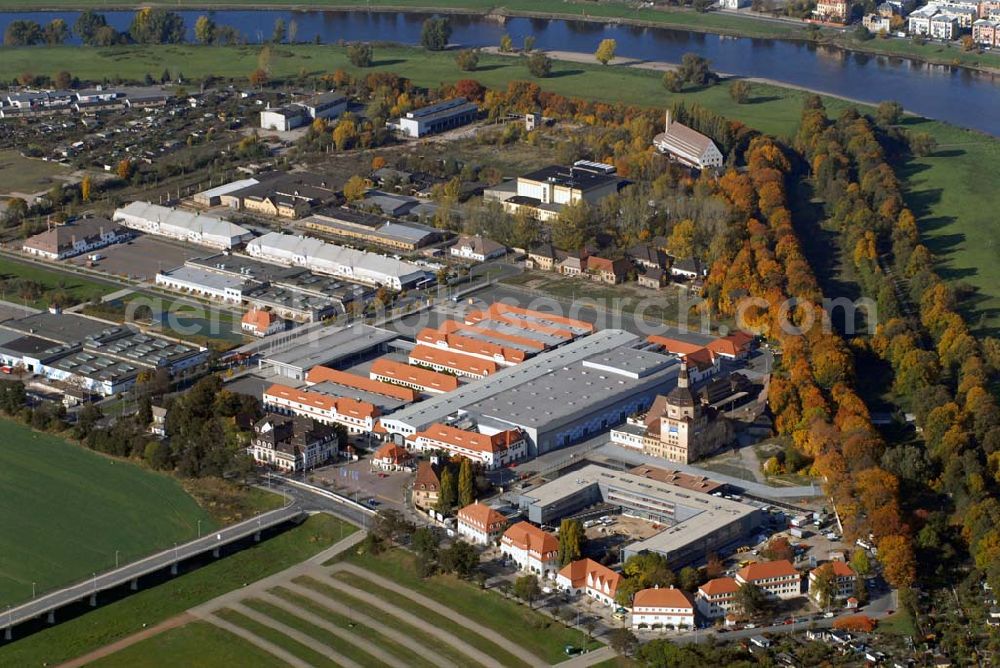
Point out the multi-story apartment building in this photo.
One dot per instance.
(778, 579)
(358, 416)
(292, 443)
(492, 451)
(588, 577)
(843, 580)
(716, 597)
(662, 607)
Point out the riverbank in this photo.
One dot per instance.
(742, 24)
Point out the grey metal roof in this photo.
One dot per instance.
(330, 343)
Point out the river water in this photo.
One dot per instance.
(953, 94)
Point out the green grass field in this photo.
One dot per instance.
(194, 644)
(506, 617)
(27, 175)
(76, 288)
(151, 606)
(67, 510)
(955, 194)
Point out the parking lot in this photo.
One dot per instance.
(358, 481)
(143, 257)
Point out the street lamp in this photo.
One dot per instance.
(199, 528)
(32, 590)
(116, 558)
(94, 582)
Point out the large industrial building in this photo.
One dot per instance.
(294, 356)
(697, 523)
(435, 118)
(182, 225)
(556, 397)
(91, 354)
(326, 258)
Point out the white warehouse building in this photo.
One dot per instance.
(182, 225)
(326, 258)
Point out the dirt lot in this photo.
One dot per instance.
(145, 256)
(632, 528)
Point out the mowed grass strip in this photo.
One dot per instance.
(530, 629)
(76, 288)
(67, 510)
(349, 650)
(275, 637)
(107, 624)
(449, 652)
(369, 633)
(393, 598)
(194, 644)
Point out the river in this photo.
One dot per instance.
(957, 95)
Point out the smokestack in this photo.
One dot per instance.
(666, 126)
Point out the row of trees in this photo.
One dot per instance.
(939, 368)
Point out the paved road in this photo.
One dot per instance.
(119, 576)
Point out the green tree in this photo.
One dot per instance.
(690, 579)
(571, 537)
(360, 55)
(506, 44)
(642, 571)
(22, 33)
(623, 641)
(921, 144)
(87, 25)
(740, 91)
(157, 26)
(750, 599)
(575, 226)
(821, 586)
(447, 495)
(539, 65)
(888, 112)
(606, 51)
(56, 32)
(466, 488)
(467, 60)
(435, 33)
(695, 70)
(529, 44)
(460, 558)
(860, 562)
(673, 81)
(204, 30)
(526, 588)
(280, 31)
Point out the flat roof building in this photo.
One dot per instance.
(557, 397)
(697, 523)
(327, 346)
(182, 225)
(435, 118)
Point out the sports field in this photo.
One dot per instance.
(66, 511)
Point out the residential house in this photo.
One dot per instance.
(686, 146)
(292, 443)
(843, 583)
(426, 486)
(686, 268)
(532, 549)
(647, 256)
(480, 524)
(261, 323)
(778, 579)
(158, 427)
(591, 578)
(662, 607)
(876, 23)
(717, 597)
(654, 278)
(833, 10)
(574, 263)
(735, 346)
(608, 271)
(391, 457)
(477, 248)
(491, 451)
(83, 236)
(544, 256)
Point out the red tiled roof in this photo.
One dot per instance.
(527, 536)
(664, 597)
(719, 586)
(472, 346)
(426, 479)
(675, 346)
(260, 320)
(392, 452)
(577, 573)
(322, 374)
(766, 570)
(452, 360)
(734, 344)
(470, 440)
(480, 516)
(342, 405)
(421, 376)
(840, 569)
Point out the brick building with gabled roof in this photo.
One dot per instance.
(414, 377)
(426, 486)
(457, 363)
